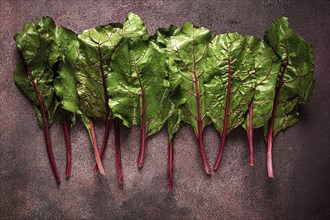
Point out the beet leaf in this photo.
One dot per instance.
(295, 80)
(34, 75)
(92, 69)
(266, 70)
(187, 56)
(174, 123)
(137, 86)
(230, 83)
(66, 47)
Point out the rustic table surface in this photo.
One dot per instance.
(301, 186)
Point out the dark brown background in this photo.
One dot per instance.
(301, 186)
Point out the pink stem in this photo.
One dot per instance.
(225, 120)
(96, 151)
(118, 154)
(170, 166)
(272, 120)
(106, 106)
(250, 134)
(68, 144)
(46, 126)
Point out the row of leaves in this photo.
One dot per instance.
(177, 76)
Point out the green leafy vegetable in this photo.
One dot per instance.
(92, 69)
(137, 86)
(65, 84)
(295, 80)
(266, 69)
(230, 83)
(34, 75)
(187, 62)
(66, 46)
(174, 123)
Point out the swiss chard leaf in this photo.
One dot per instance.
(187, 51)
(66, 47)
(93, 66)
(267, 66)
(295, 80)
(138, 87)
(163, 35)
(34, 75)
(34, 68)
(230, 83)
(161, 38)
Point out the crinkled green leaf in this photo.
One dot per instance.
(175, 120)
(231, 80)
(134, 27)
(267, 66)
(161, 38)
(187, 58)
(163, 35)
(93, 66)
(66, 45)
(138, 86)
(35, 46)
(295, 79)
(187, 63)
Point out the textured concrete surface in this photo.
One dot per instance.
(237, 191)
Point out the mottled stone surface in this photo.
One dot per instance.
(300, 190)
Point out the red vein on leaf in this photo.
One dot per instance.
(250, 133)
(117, 152)
(143, 119)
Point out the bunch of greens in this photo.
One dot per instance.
(177, 76)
